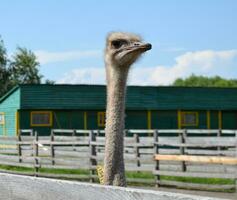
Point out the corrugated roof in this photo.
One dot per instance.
(138, 97)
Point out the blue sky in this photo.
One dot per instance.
(68, 37)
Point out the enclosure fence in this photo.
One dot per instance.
(165, 153)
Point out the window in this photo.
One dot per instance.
(2, 118)
(101, 119)
(189, 118)
(41, 118)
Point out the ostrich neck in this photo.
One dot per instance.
(116, 92)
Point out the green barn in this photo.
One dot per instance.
(45, 107)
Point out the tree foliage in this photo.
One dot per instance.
(22, 68)
(4, 72)
(25, 67)
(204, 81)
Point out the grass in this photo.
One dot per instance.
(212, 181)
(65, 171)
(46, 170)
(16, 169)
(149, 175)
(130, 175)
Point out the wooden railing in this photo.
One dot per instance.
(196, 153)
(163, 152)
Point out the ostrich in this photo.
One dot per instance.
(122, 50)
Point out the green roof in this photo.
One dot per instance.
(90, 97)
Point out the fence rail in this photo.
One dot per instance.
(179, 153)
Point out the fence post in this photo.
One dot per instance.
(74, 135)
(157, 162)
(93, 162)
(36, 153)
(218, 137)
(182, 148)
(137, 153)
(19, 147)
(52, 147)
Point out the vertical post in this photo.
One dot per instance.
(36, 153)
(125, 134)
(74, 133)
(19, 147)
(17, 122)
(93, 162)
(219, 139)
(74, 139)
(52, 147)
(208, 119)
(137, 153)
(157, 162)
(182, 149)
(179, 119)
(85, 120)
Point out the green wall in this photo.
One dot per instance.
(136, 119)
(214, 121)
(74, 119)
(229, 120)
(61, 120)
(164, 119)
(92, 122)
(9, 107)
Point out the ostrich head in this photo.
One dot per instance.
(123, 49)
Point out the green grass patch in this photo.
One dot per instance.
(129, 175)
(17, 169)
(143, 175)
(64, 171)
(219, 181)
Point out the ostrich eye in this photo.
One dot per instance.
(118, 43)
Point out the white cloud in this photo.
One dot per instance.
(207, 62)
(45, 57)
(90, 75)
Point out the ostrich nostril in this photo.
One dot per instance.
(136, 44)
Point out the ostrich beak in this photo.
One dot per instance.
(146, 46)
(140, 47)
(135, 49)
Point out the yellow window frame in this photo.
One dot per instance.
(101, 119)
(3, 121)
(41, 112)
(183, 113)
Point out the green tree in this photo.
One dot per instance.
(24, 68)
(50, 82)
(204, 81)
(4, 73)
